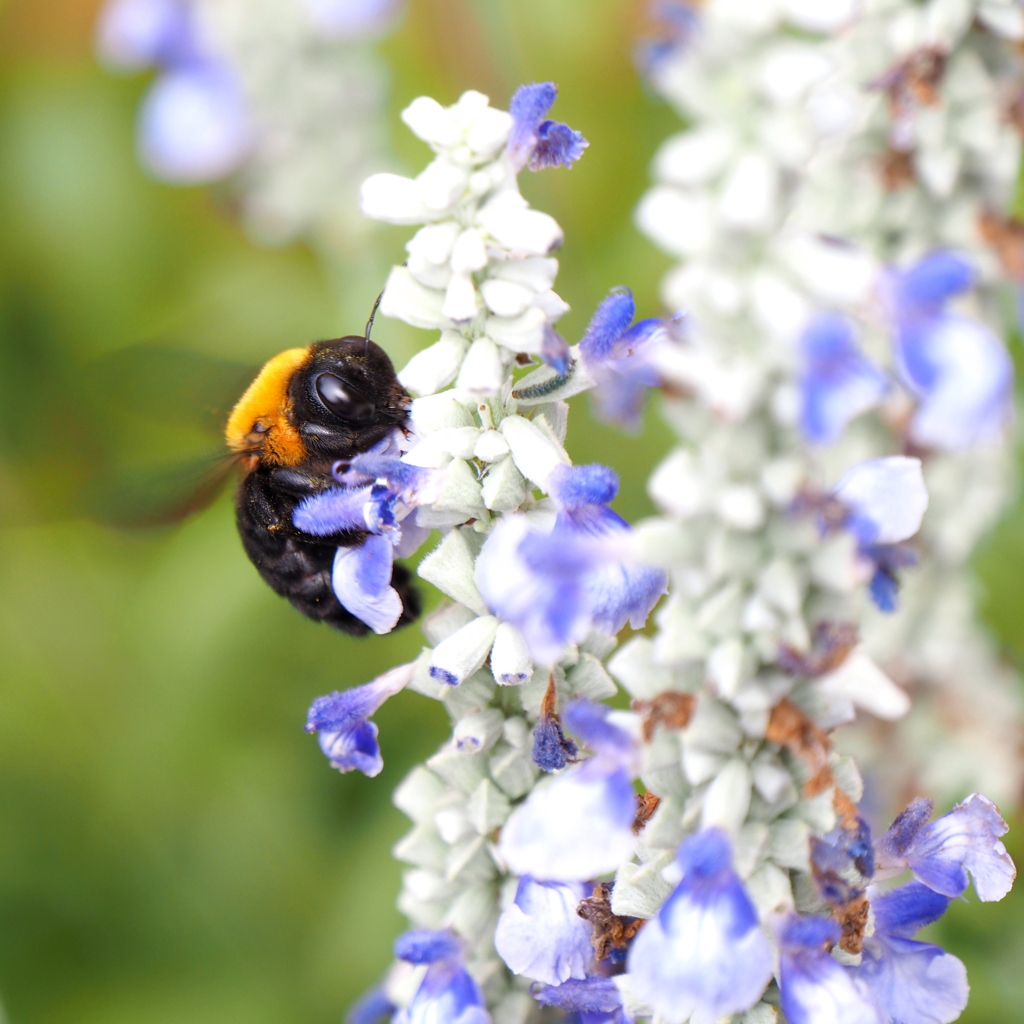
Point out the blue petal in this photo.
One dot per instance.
(354, 749)
(903, 912)
(194, 125)
(589, 720)
(362, 583)
(552, 750)
(555, 350)
(447, 994)
(913, 982)
(904, 830)
(424, 946)
(934, 280)
(589, 995)
(814, 988)
(704, 956)
(343, 708)
(624, 593)
(540, 936)
(135, 34)
(964, 840)
(372, 1008)
(836, 383)
(336, 510)
(964, 377)
(575, 486)
(887, 495)
(530, 104)
(558, 145)
(884, 590)
(576, 827)
(609, 323)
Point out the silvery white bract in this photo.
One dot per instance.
(832, 204)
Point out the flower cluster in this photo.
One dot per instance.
(295, 122)
(840, 196)
(738, 872)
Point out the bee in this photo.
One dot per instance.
(308, 409)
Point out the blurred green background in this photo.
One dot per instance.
(173, 847)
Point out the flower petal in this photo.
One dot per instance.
(541, 936)
(362, 582)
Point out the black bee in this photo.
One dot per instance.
(307, 409)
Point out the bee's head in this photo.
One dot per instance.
(333, 399)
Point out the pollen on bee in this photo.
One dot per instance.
(263, 411)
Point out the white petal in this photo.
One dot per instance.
(506, 298)
(482, 371)
(510, 657)
(461, 302)
(535, 453)
(469, 252)
(489, 132)
(458, 657)
(440, 185)
(859, 679)
(511, 223)
(890, 492)
(406, 299)
(749, 197)
(523, 333)
(435, 367)
(434, 242)
(392, 198)
(431, 122)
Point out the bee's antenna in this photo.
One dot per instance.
(369, 323)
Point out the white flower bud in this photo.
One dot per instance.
(406, 299)
(510, 658)
(431, 122)
(482, 371)
(535, 453)
(435, 367)
(727, 799)
(504, 488)
(392, 198)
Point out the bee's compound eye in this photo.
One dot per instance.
(344, 401)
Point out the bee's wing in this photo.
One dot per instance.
(158, 495)
(164, 411)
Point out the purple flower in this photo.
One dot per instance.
(447, 994)
(815, 989)
(541, 936)
(552, 749)
(678, 22)
(883, 502)
(580, 576)
(913, 982)
(618, 358)
(837, 383)
(372, 1008)
(595, 999)
(704, 956)
(942, 853)
(580, 824)
(193, 125)
(136, 34)
(538, 142)
(957, 368)
(342, 718)
(380, 492)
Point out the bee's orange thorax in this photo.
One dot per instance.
(265, 405)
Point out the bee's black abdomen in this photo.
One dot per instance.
(299, 568)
